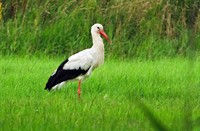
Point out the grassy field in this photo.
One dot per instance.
(111, 97)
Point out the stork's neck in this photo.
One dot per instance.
(97, 41)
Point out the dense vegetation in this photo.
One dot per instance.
(138, 28)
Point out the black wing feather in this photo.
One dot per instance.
(63, 75)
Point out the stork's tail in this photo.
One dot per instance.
(50, 83)
(53, 78)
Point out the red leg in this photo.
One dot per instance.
(79, 89)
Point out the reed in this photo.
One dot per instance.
(138, 28)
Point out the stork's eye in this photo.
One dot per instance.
(98, 28)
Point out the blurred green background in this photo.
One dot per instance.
(138, 28)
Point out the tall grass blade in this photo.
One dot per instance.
(196, 123)
(155, 122)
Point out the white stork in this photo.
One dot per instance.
(80, 65)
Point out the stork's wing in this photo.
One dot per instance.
(81, 60)
(71, 68)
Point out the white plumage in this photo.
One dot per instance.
(83, 59)
(80, 65)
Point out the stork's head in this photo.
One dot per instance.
(98, 30)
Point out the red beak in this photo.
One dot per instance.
(105, 36)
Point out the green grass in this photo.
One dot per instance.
(111, 97)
